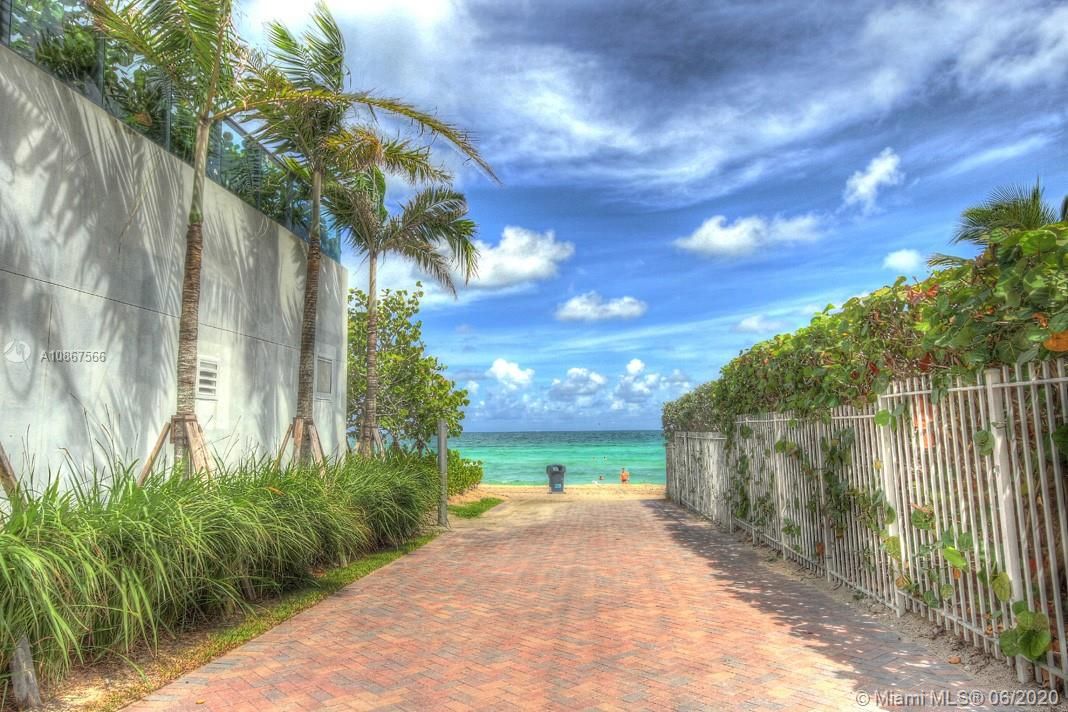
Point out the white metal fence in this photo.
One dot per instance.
(980, 472)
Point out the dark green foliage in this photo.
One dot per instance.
(1007, 306)
(413, 389)
(1030, 636)
(105, 567)
(463, 473)
(61, 38)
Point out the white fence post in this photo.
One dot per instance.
(678, 467)
(889, 474)
(821, 491)
(1006, 503)
(777, 473)
(752, 487)
(667, 469)
(968, 479)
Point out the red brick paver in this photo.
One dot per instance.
(572, 605)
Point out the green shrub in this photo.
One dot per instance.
(107, 565)
(1008, 306)
(463, 473)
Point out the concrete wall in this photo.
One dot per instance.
(92, 227)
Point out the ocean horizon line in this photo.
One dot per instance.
(562, 430)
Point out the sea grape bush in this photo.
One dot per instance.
(463, 473)
(414, 391)
(1007, 306)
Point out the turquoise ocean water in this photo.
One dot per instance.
(520, 458)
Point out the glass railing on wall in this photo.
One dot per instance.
(59, 37)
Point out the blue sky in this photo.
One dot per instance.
(683, 179)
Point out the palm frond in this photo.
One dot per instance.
(402, 158)
(316, 59)
(327, 49)
(1012, 207)
(192, 41)
(461, 140)
(436, 217)
(939, 260)
(357, 149)
(356, 211)
(426, 257)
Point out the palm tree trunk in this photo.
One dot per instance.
(189, 318)
(370, 407)
(306, 372)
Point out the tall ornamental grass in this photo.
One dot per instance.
(107, 565)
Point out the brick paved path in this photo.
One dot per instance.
(570, 605)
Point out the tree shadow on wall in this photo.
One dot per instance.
(92, 223)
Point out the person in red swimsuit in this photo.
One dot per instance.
(624, 476)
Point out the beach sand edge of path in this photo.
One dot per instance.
(583, 491)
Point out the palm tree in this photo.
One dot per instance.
(1009, 208)
(316, 135)
(193, 42)
(195, 47)
(432, 230)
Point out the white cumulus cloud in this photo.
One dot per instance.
(577, 109)
(759, 324)
(510, 375)
(863, 186)
(591, 306)
(521, 257)
(903, 261)
(718, 237)
(578, 382)
(637, 387)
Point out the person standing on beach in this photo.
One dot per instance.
(624, 476)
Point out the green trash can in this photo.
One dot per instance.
(556, 478)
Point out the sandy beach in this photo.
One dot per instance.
(584, 492)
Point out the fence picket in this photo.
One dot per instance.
(889, 475)
(1008, 490)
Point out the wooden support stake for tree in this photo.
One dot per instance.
(151, 461)
(285, 442)
(318, 456)
(378, 443)
(316, 444)
(190, 444)
(298, 438)
(7, 477)
(187, 435)
(305, 429)
(24, 677)
(200, 447)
